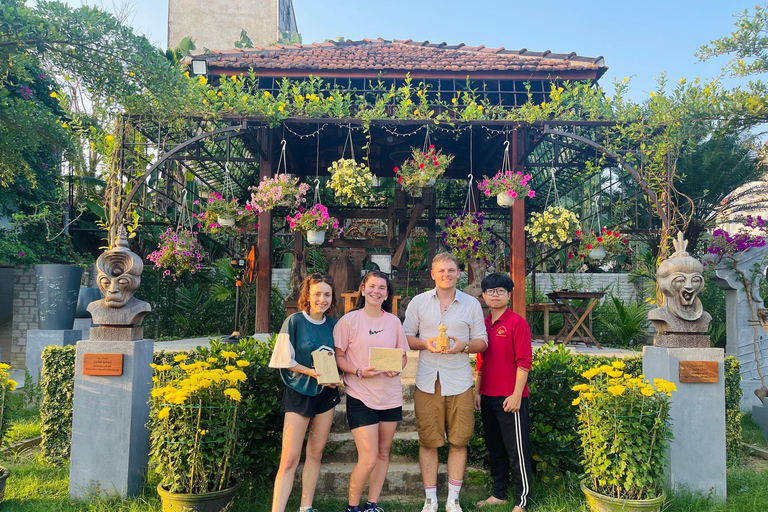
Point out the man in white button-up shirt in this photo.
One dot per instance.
(443, 397)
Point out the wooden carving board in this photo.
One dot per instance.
(325, 364)
(698, 371)
(386, 359)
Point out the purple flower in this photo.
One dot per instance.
(26, 92)
(21, 254)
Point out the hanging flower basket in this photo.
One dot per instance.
(316, 219)
(597, 246)
(226, 216)
(178, 252)
(507, 185)
(315, 237)
(422, 169)
(598, 253)
(352, 183)
(554, 227)
(282, 190)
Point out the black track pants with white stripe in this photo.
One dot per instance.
(506, 437)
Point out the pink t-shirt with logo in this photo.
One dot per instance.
(355, 333)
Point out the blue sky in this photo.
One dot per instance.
(639, 39)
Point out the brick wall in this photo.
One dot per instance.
(24, 313)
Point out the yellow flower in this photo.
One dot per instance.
(180, 357)
(581, 387)
(11, 384)
(233, 394)
(155, 379)
(110, 139)
(647, 390)
(618, 364)
(213, 359)
(54, 95)
(229, 367)
(606, 368)
(151, 365)
(202, 432)
(163, 367)
(616, 390)
(576, 401)
(235, 376)
(228, 355)
(164, 412)
(588, 396)
(455, 100)
(202, 80)
(590, 373)
(615, 374)
(242, 363)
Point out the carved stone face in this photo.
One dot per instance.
(119, 276)
(681, 286)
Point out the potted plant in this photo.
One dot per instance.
(597, 246)
(177, 252)
(282, 190)
(422, 169)
(316, 224)
(352, 183)
(507, 185)
(624, 431)
(222, 215)
(193, 420)
(471, 240)
(553, 227)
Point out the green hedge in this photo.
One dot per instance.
(733, 448)
(58, 382)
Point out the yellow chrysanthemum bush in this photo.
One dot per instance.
(194, 419)
(624, 431)
(554, 227)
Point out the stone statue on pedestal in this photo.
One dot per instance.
(119, 276)
(681, 321)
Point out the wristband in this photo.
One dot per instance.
(359, 373)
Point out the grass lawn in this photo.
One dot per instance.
(751, 433)
(36, 486)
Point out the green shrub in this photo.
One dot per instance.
(630, 323)
(56, 409)
(733, 449)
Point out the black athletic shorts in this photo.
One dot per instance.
(309, 406)
(360, 415)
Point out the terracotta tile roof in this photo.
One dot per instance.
(370, 56)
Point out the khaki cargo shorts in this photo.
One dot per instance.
(436, 413)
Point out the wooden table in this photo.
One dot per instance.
(576, 308)
(542, 307)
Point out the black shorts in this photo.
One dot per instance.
(309, 406)
(360, 415)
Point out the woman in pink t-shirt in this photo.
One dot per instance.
(374, 398)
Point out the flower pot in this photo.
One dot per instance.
(4, 474)
(217, 501)
(85, 297)
(505, 199)
(376, 182)
(315, 237)
(226, 221)
(430, 182)
(597, 253)
(602, 503)
(58, 287)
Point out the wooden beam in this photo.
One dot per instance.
(517, 235)
(264, 272)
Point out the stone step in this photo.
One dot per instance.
(340, 418)
(341, 447)
(403, 479)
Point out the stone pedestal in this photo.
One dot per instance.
(38, 339)
(697, 412)
(760, 415)
(84, 325)
(740, 334)
(110, 441)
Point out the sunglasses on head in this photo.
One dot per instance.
(321, 277)
(377, 273)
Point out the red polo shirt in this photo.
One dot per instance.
(509, 348)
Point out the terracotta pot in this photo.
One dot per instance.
(597, 253)
(505, 199)
(601, 503)
(226, 222)
(217, 501)
(315, 237)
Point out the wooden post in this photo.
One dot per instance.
(264, 272)
(517, 236)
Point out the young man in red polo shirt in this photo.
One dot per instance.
(501, 394)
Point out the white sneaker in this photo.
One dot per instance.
(453, 506)
(430, 505)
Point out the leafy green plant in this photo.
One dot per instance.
(733, 415)
(631, 323)
(196, 311)
(32, 390)
(624, 431)
(56, 407)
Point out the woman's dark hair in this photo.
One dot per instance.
(387, 304)
(497, 281)
(304, 293)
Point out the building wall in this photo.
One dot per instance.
(24, 314)
(611, 284)
(216, 24)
